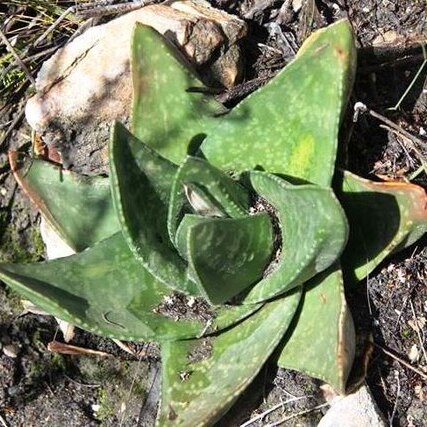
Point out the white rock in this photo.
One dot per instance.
(355, 410)
(91, 75)
(10, 350)
(55, 246)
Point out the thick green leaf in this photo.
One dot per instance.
(140, 183)
(321, 340)
(384, 216)
(290, 126)
(202, 378)
(181, 238)
(228, 255)
(225, 194)
(166, 115)
(79, 208)
(106, 291)
(313, 229)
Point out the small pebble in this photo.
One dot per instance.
(10, 350)
(13, 390)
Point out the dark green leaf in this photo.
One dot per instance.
(202, 378)
(384, 216)
(166, 116)
(226, 194)
(313, 230)
(228, 255)
(106, 291)
(290, 125)
(78, 208)
(320, 342)
(140, 183)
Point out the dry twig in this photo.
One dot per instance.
(24, 68)
(401, 361)
(270, 410)
(417, 329)
(305, 412)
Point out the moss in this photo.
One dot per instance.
(14, 301)
(19, 246)
(106, 405)
(406, 333)
(120, 382)
(58, 362)
(38, 244)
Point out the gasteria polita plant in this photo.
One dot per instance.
(219, 235)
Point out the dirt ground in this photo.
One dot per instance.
(41, 388)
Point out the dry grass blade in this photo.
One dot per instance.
(90, 10)
(417, 328)
(298, 414)
(10, 48)
(59, 347)
(401, 361)
(12, 126)
(30, 31)
(393, 414)
(270, 410)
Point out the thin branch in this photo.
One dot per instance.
(24, 68)
(413, 80)
(89, 11)
(393, 125)
(391, 418)
(307, 411)
(401, 361)
(417, 328)
(54, 25)
(12, 126)
(270, 410)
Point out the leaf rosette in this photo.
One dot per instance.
(218, 234)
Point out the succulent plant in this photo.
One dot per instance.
(219, 234)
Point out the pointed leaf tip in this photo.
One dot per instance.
(79, 208)
(290, 125)
(161, 100)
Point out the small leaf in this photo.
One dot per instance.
(201, 202)
(140, 184)
(166, 115)
(320, 342)
(79, 208)
(385, 217)
(226, 194)
(290, 126)
(228, 255)
(106, 291)
(313, 229)
(201, 379)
